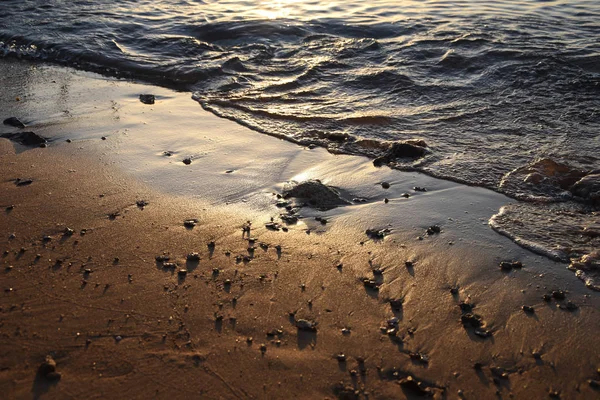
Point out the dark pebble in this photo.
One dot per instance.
(14, 121)
(385, 185)
(147, 98)
(187, 161)
(528, 309)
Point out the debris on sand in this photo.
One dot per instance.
(14, 121)
(315, 194)
(23, 182)
(147, 98)
(26, 138)
(187, 160)
(510, 265)
(190, 223)
(306, 325)
(47, 370)
(377, 234)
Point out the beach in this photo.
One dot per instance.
(396, 293)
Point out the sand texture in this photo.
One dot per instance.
(392, 293)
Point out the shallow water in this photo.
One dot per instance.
(491, 86)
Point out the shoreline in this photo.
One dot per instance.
(207, 330)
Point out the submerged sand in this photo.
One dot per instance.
(121, 325)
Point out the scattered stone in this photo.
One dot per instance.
(273, 226)
(14, 121)
(396, 304)
(377, 234)
(346, 331)
(405, 195)
(23, 182)
(68, 231)
(263, 348)
(193, 257)
(547, 298)
(341, 357)
(190, 223)
(528, 309)
(162, 258)
(471, 320)
(170, 265)
(306, 325)
(187, 161)
(141, 203)
(433, 229)
(414, 386)
(385, 185)
(509, 265)
(559, 295)
(454, 290)
(386, 200)
(147, 98)
(47, 370)
(25, 138)
(416, 356)
(371, 284)
(594, 383)
(419, 189)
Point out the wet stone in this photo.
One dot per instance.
(433, 229)
(385, 185)
(559, 295)
(26, 138)
(509, 265)
(14, 122)
(306, 325)
(47, 369)
(147, 98)
(315, 194)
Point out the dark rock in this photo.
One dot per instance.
(315, 194)
(193, 257)
(14, 121)
(472, 320)
(396, 304)
(559, 295)
(385, 185)
(483, 333)
(377, 234)
(190, 223)
(182, 272)
(371, 284)
(187, 161)
(454, 290)
(414, 387)
(162, 258)
(408, 149)
(419, 189)
(433, 229)
(26, 138)
(528, 309)
(47, 370)
(147, 98)
(547, 297)
(588, 188)
(509, 265)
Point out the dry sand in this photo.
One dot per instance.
(120, 325)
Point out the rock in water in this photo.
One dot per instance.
(412, 149)
(147, 98)
(315, 194)
(26, 138)
(14, 121)
(588, 188)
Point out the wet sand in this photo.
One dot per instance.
(121, 325)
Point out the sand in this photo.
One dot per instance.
(120, 325)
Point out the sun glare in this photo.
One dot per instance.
(275, 9)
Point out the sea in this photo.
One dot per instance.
(504, 94)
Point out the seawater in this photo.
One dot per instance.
(506, 94)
